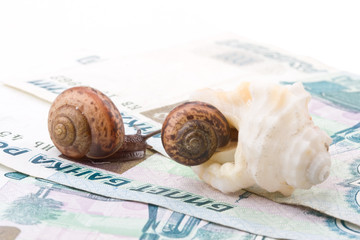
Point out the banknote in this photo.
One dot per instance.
(35, 208)
(156, 180)
(216, 63)
(146, 87)
(336, 98)
(336, 108)
(171, 74)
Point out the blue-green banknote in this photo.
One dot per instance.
(25, 145)
(157, 180)
(35, 208)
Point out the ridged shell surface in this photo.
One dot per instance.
(104, 122)
(279, 148)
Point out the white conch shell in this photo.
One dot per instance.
(279, 148)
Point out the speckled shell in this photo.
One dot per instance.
(102, 130)
(194, 115)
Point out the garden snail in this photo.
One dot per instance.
(193, 131)
(84, 122)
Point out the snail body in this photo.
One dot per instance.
(134, 146)
(193, 131)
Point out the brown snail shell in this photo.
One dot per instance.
(193, 131)
(84, 122)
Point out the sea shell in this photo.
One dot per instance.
(279, 148)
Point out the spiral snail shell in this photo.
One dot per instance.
(84, 122)
(193, 131)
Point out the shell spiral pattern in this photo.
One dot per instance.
(193, 131)
(279, 148)
(84, 122)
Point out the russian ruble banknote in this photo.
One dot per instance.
(217, 63)
(35, 208)
(145, 82)
(336, 109)
(146, 87)
(178, 189)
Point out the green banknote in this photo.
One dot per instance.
(336, 109)
(35, 208)
(222, 63)
(156, 180)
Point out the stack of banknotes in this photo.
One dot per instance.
(45, 195)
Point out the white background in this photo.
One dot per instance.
(38, 36)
